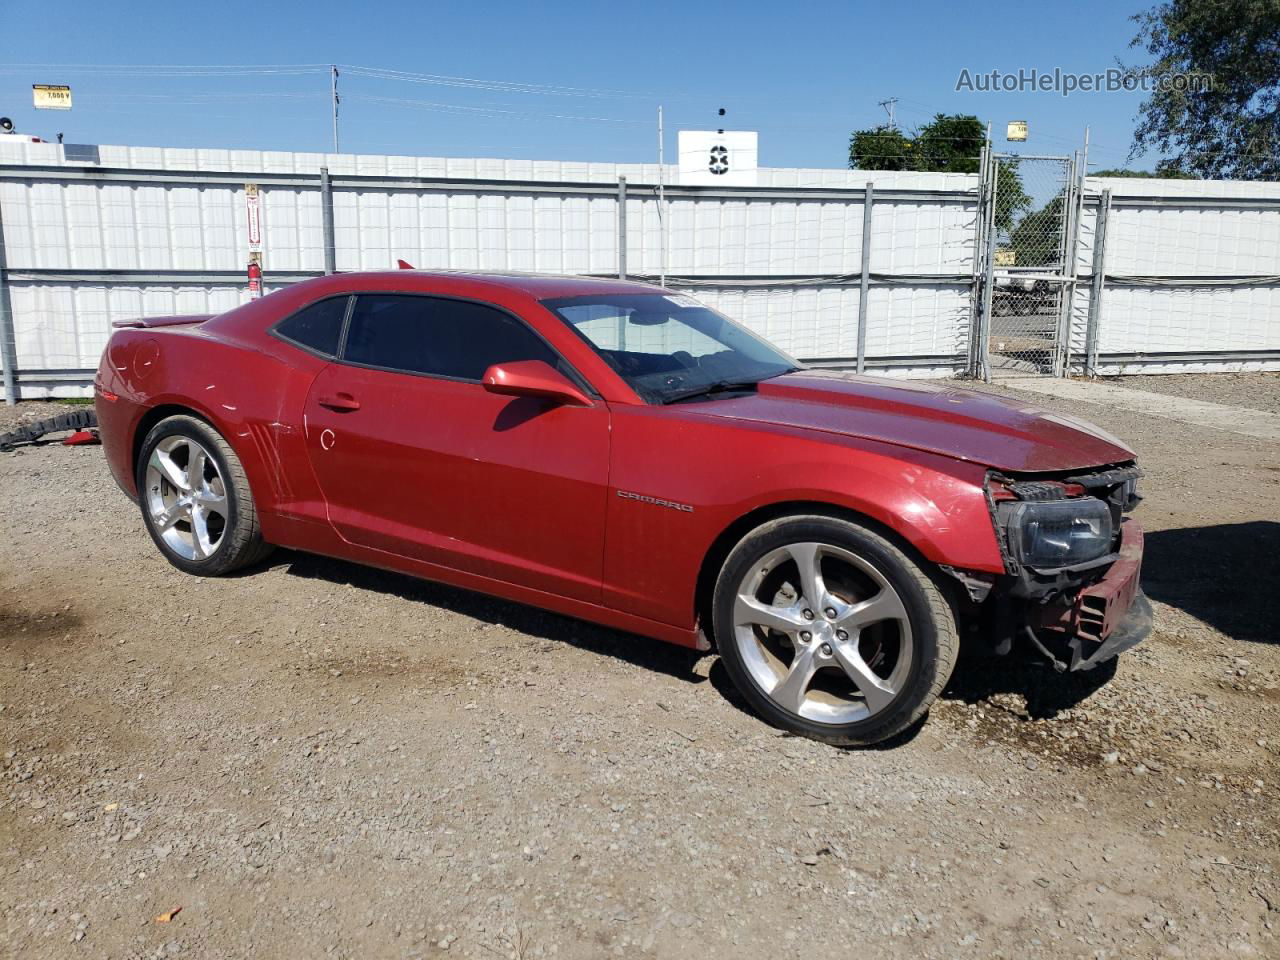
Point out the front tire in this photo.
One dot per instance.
(831, 631)
(195, 499)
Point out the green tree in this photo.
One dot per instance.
(1162, 171)
(1011, 198)
(1037, 237)
(881, 148)
(1228, 127)
(949, 143)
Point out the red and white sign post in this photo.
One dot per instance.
(253, 221)
(255, 277)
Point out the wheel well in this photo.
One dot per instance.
(733, 534)
(149, 420)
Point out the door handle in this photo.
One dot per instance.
(339, 402)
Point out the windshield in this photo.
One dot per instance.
(669, 347)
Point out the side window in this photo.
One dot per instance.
(444, 338)
(318, 326)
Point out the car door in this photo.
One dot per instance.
(415, 457)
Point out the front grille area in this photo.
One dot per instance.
(1091, 617)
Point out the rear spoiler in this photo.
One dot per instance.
(146, 322)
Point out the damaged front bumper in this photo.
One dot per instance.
(1079, 630)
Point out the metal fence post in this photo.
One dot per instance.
(8, 346)
(978, 332)
(979, 238)
(868, 198)
(326, 219)
(989, 271)
(1073, 212)
(622, 228)
(1096, 286)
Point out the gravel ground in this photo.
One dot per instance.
(1257, 391)
(316, 759)
(29, 412)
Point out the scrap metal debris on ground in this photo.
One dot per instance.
(81, 422)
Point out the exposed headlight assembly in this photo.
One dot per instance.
(1129, 496)
(1059, 533)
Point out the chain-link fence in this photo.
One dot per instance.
(1032, 213)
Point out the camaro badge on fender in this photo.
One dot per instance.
(628, 495)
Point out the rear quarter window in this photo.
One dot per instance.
(317, 327)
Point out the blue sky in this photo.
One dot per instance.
(803, 74)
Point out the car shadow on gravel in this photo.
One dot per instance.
(648, 654)
(1226, 575)
(979, 676)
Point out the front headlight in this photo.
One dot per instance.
(1060, 533)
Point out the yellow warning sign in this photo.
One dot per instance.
(50, 96)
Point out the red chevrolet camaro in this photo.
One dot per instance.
(623, 454)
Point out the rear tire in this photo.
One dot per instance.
(195, 499)
(831, 631)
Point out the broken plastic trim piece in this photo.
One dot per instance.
(978, 585)
(82, 438)
(81, 420)
(1135, 628)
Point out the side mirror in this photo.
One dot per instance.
(533, 378)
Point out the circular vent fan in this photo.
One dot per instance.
(719, 163)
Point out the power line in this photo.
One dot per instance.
(373, 72)
(489, 111)
(508, 86)
(167, 70)
(148, 71)
(246, 97)
(381, 73)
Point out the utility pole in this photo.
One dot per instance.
(333, 86)
(889, 106)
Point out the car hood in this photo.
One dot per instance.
(968, 425)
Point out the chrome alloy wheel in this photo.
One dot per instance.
(823, 633)
(186, 497)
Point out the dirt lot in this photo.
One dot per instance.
(1257, 391)
(318, 760)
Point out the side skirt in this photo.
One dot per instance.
(321, 539)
